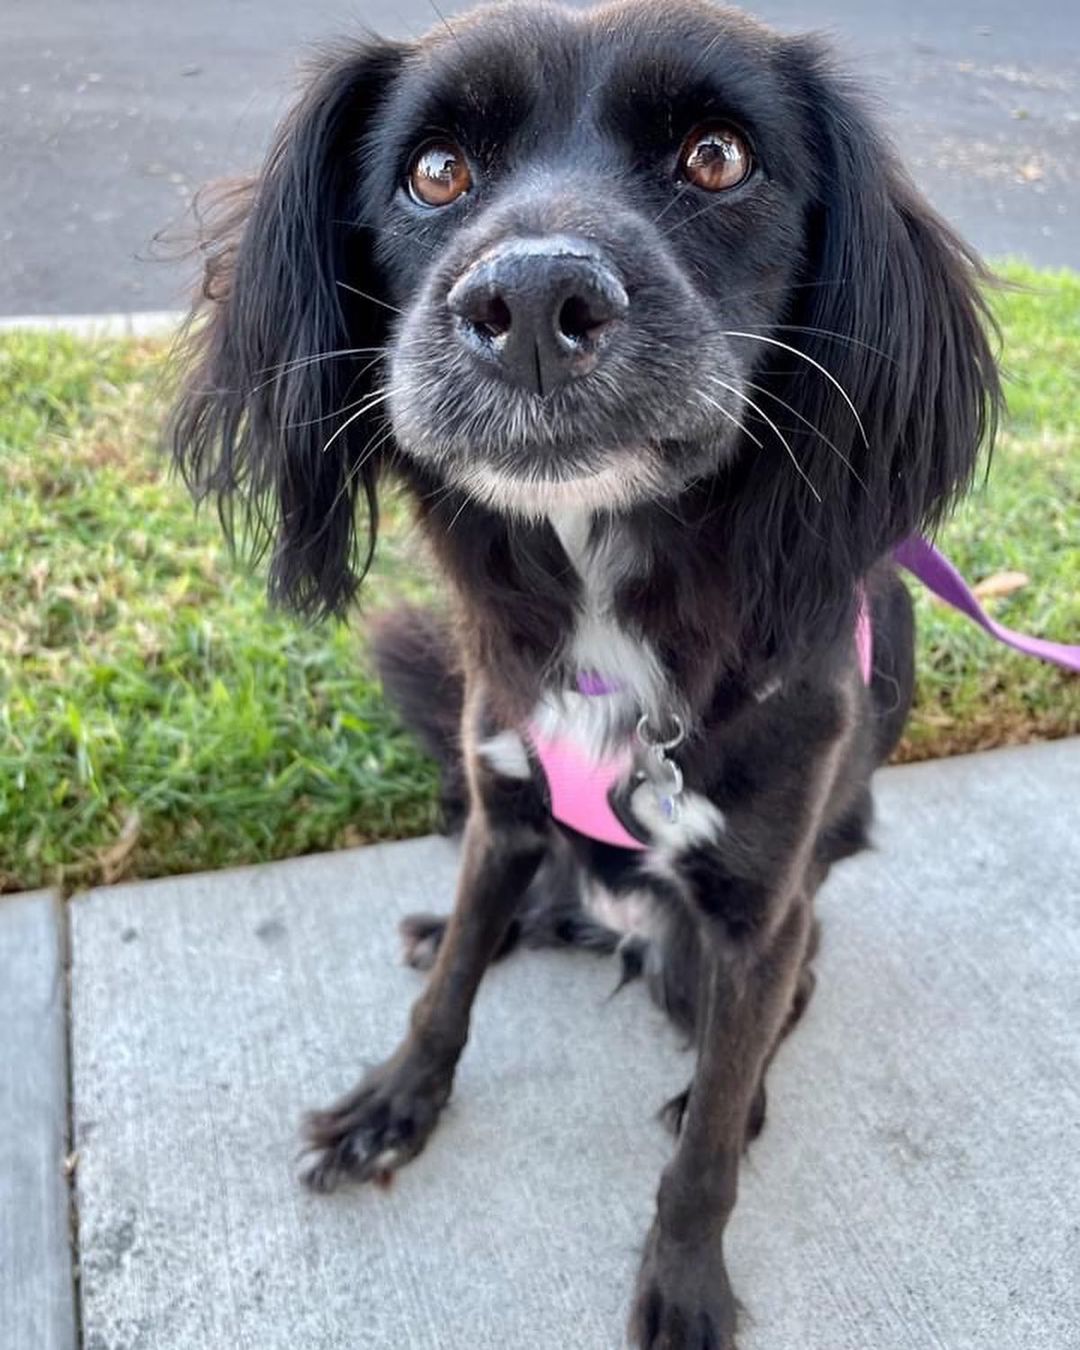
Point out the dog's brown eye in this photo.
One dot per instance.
(439, 173)
(715, 158)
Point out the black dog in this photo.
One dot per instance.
(670, 354)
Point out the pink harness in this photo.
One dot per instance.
(580, 787)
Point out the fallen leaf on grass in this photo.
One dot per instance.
(938, 719)
(39, 574)
(1000, 583)
(111, 860)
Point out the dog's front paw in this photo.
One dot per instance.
(683, 1299)
(376, 1128)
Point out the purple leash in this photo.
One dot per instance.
(941, 578)
(938, 575)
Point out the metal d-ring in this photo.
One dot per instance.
(660, 747)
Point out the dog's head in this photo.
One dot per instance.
(545, 257)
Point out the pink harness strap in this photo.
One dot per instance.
(864, 638)
(580, 789)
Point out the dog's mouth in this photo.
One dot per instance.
(513, 456)
(614, 481)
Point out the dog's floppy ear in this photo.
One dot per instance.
(272, 416)
(888, 303)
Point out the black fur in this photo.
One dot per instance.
(849, 264)
(263, 396)
(802, 378)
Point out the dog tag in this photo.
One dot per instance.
(668, 782)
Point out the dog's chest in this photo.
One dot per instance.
(593, 737)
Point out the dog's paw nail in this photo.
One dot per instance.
(319, 1177)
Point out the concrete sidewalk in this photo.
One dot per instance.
(916, 1187)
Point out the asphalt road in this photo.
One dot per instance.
(112, 113)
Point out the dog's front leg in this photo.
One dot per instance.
(684, 1300)
(387, 1119)
(750, 888)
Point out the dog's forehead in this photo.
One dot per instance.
(629, 49)
(622, 19)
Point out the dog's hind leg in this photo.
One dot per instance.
(551, 914)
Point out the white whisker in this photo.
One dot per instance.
(679, 224)
(298, 362)
(675, 197)
(374, 444)
(786, 346)
(353, 290)
(776, 432)
(368, 404)
(836, 336)
(735, 421)
(816, 430)
(336, 412)
(457, 513)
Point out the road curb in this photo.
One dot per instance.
(140, 323)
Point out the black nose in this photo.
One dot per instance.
(542, 310)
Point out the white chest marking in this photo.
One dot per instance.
(600, 644)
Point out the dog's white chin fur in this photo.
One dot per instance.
(614, 485)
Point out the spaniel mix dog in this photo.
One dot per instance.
(669, 353)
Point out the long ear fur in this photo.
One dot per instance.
(889, 304)
(261, 421)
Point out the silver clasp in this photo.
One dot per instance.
(670, 788)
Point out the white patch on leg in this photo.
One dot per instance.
(698, 821)
(506, 754)
(633, 913)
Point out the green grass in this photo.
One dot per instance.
(156, 717)
(973, 693)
